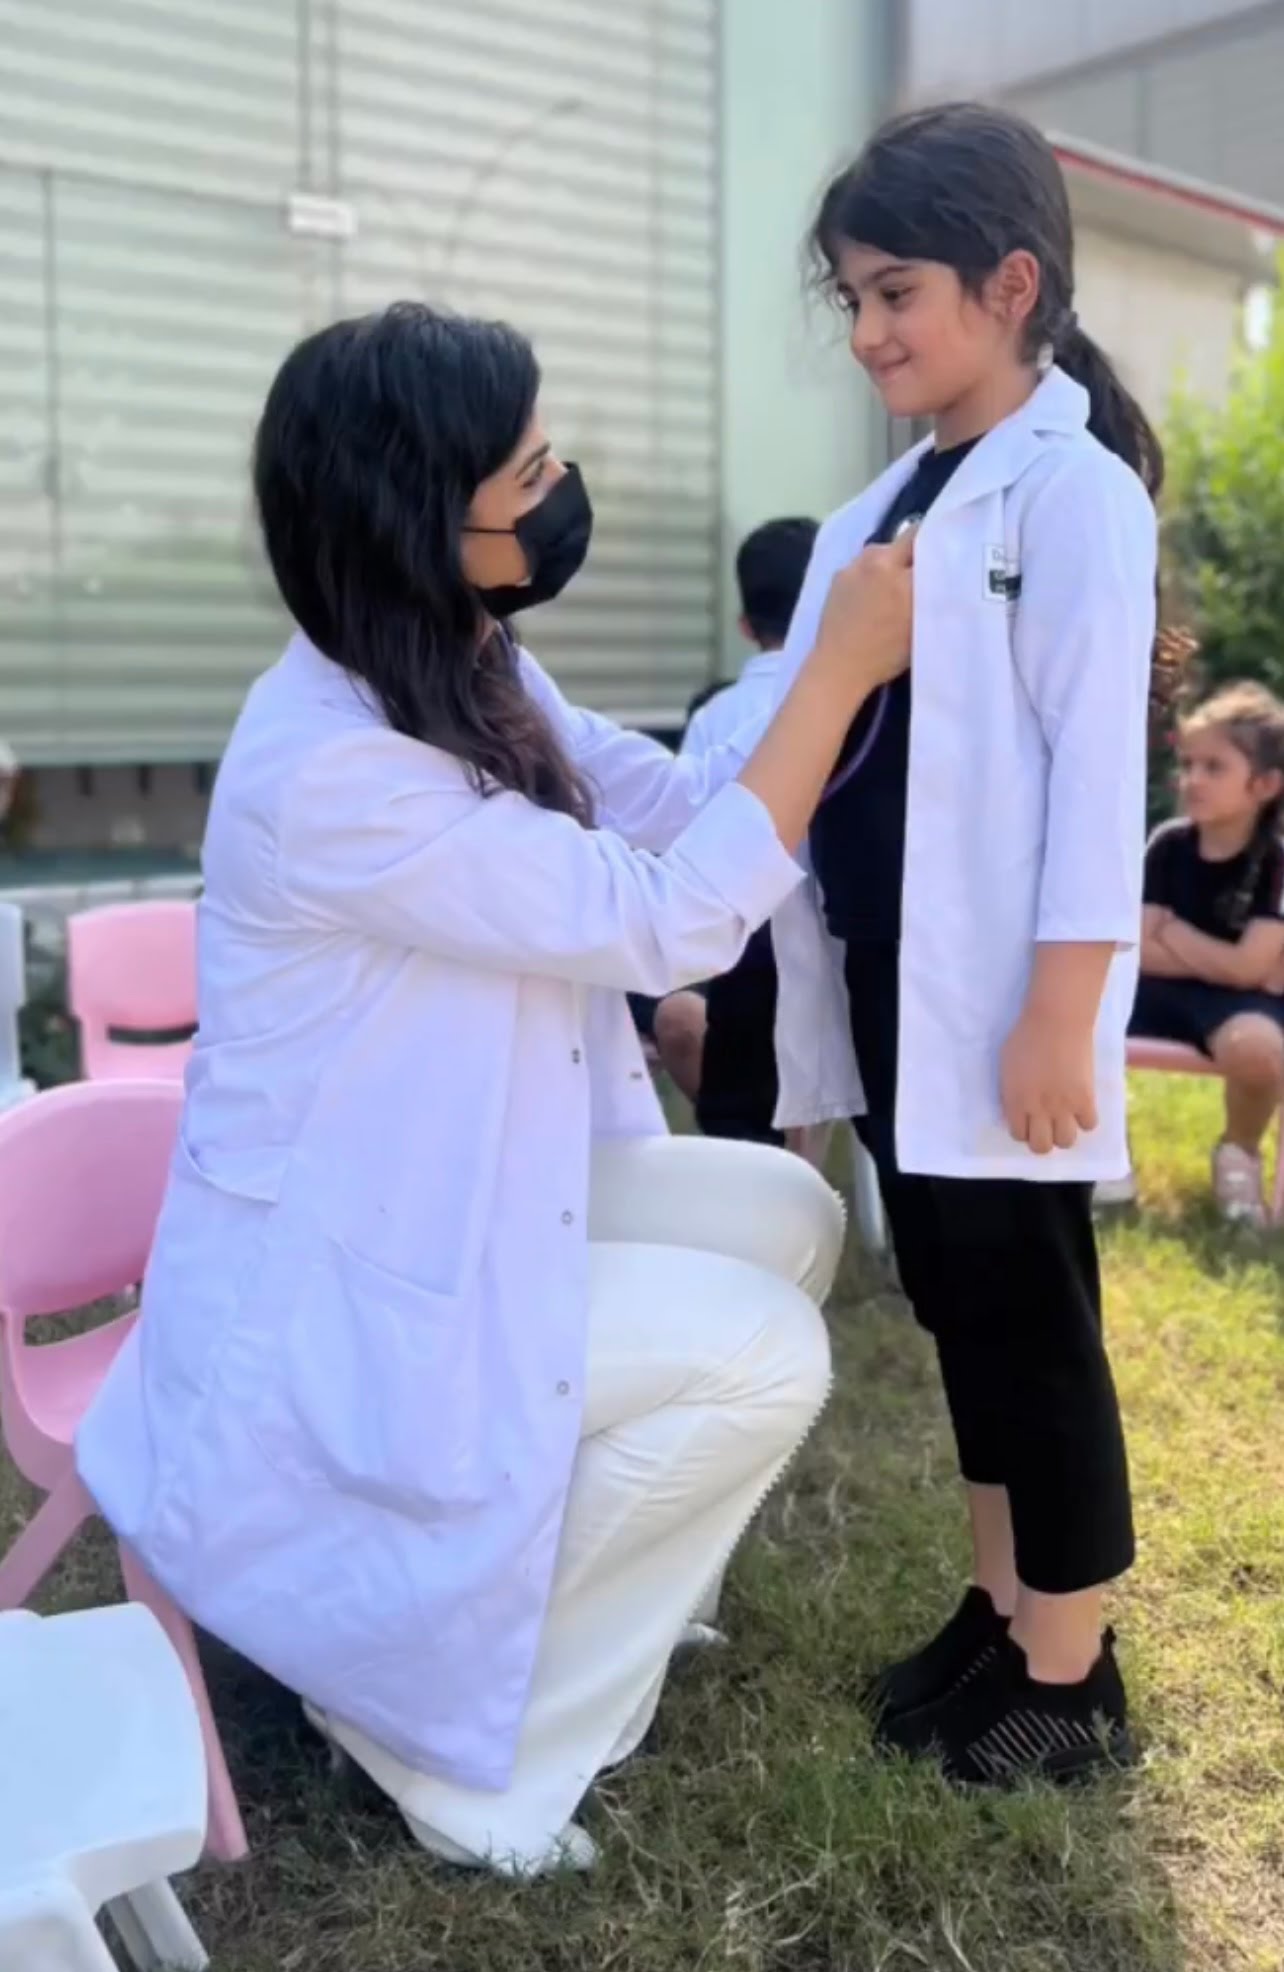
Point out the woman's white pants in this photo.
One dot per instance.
(708, 1362)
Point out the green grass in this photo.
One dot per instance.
(763, 1834)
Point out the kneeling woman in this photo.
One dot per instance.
(456, 1381)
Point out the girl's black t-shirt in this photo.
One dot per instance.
(1218, 898)
(858, 833)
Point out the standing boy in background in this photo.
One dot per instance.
(724, 1039)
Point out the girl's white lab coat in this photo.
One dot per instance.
(1026, 812)
(342, 1434)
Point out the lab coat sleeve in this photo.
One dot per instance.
(1083, 637)
(642, 791)
(696, 740)
(385, 837)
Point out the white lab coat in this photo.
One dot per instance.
(1026, 787)
(342, 1433)
(749, 701)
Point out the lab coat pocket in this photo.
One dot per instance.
(374, 1372)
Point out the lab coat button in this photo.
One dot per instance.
(576, 1056)
(563, 1389)
(568, 1218)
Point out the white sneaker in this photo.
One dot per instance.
(701, 1636)
(1108, 1192)
(573, 1850)
(1237, 1185)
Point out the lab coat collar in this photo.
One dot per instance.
(1057, 407)
(760, 665)
(323, 681)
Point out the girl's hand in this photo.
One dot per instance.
(1047, 1082)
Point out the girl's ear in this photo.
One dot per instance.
(1013, 288)
(1270, 785)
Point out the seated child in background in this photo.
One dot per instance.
(1212, 952)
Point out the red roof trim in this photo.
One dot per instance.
(1218, 204)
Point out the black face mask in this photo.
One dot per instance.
(554, 537)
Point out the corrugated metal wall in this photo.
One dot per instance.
(553, 160)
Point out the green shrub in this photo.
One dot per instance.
(1224, 520)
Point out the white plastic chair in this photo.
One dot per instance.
(102, 1792)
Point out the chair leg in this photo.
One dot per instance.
(156, 1932)
(47, 1923)
(867, 1202)
(56, 1521)
(225, 1837)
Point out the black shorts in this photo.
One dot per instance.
(1191, 1011)
(738, 1084)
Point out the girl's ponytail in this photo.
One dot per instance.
(1115, 417)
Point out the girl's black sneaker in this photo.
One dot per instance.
(963, 1649)
(1002, 1727)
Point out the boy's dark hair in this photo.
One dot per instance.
(770, 568)
(965, 184)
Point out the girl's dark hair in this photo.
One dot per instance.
(965, 185)
(374, 438)
(1252, 720)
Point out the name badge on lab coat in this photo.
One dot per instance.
(1002, 576)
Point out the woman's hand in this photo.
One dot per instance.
(868, 616)
(1047, 1082)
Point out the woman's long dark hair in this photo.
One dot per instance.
(965, 185)
(374, 438)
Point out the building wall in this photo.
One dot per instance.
(1194, 85)
(551, 161)
(643, 219)
(801, 88)
(1164, 317)
(986, 45)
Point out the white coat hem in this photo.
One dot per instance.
(1061, 1167)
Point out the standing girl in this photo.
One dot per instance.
(963, 969)
(1212, 946)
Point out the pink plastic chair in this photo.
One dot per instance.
(1172, 1058)
(82, 1175)
(131, 970)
